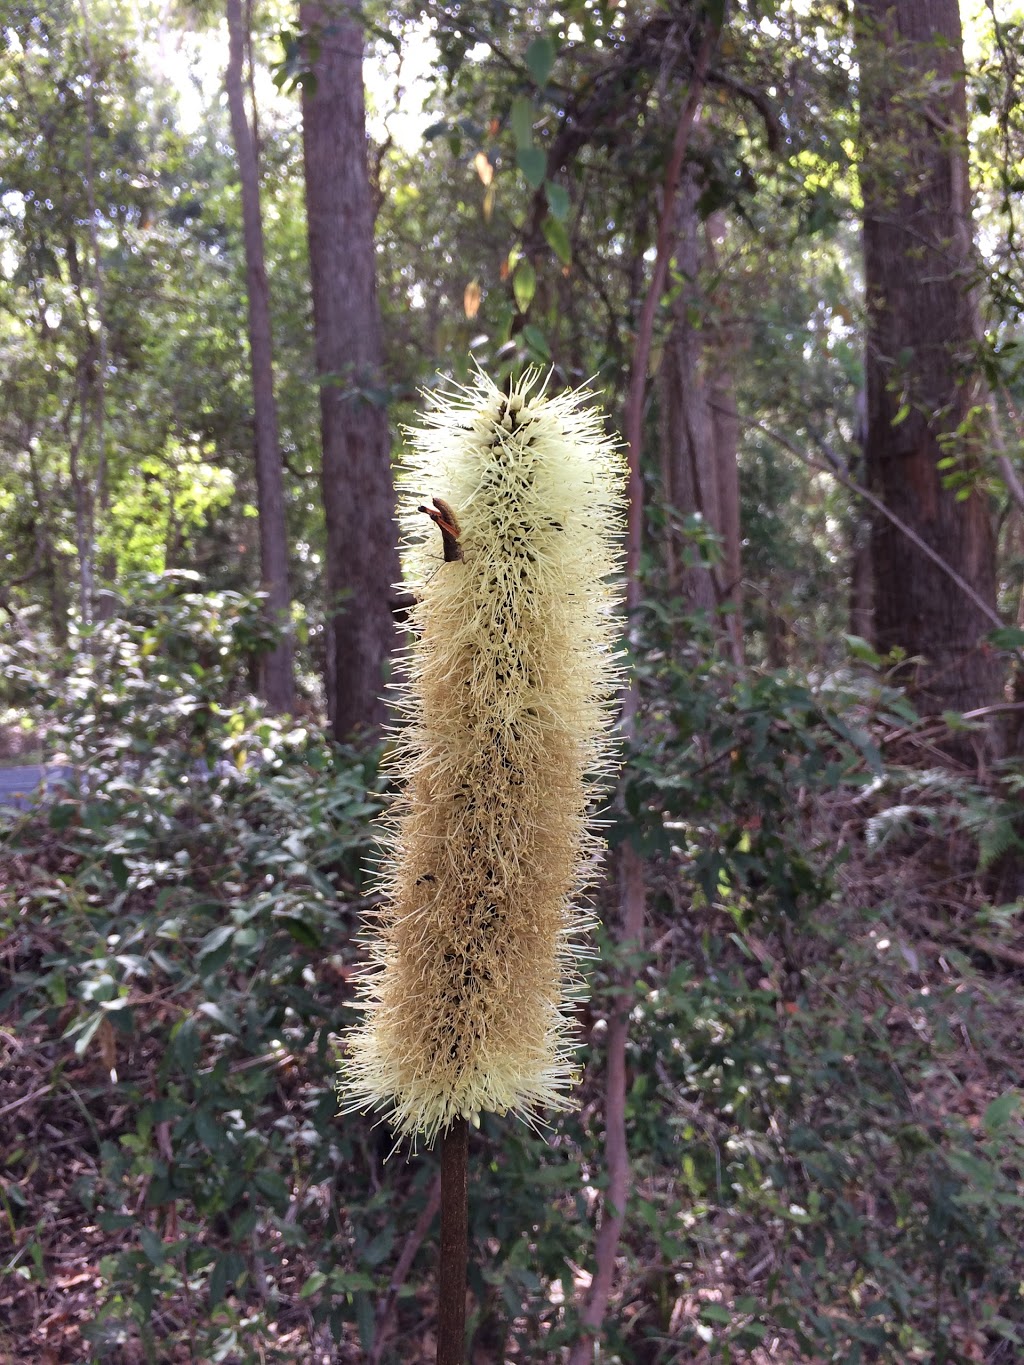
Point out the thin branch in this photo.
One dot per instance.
(773, 129)
(837, 469)
(400, 1273)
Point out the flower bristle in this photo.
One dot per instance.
(508, 693)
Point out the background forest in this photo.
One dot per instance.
(782, 239)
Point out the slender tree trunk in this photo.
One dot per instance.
(862, 605)
(362, 560)
(725, 424)
(700, 425)
(687, 433)
(81, 485)
(104, 602)
(278, 683)
(925, 399)
(55, 570)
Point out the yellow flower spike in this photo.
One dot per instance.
(508, 696)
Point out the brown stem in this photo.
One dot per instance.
(616, 1148)
(451, 1307)
(412, 1245)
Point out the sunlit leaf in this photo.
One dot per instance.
(524, 285)
(557, 239)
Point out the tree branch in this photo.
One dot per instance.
(837, 469)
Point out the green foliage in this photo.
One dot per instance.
(791, 1067)
(206, 857)
(723, 752)
(182, 955)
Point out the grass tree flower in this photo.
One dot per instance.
(508, 701)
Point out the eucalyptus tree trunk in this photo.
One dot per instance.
(925, 397)
(277, 675)
(358, 492)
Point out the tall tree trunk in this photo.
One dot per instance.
(925, 399)
(277, 676)
(700, 427)
(358, 493)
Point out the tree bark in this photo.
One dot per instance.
(277, 675)
(358, 492)
(925, 399)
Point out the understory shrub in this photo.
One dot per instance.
(823, 1111)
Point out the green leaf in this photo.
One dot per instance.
(714, 1312)
(87, 1033)
(537, 341)
(300, 931)
(533, 164)
(1000, 1111)
(208, 1130)
(524, 285)
(313, 1285)
(152, 1245)
(185, 1045)
(557, 239)
(522, 121)
(379, 1249)
(227, 1268)
(272, 1184)
(860, 649)
(540, 58)
(902, 414)
(215, 939)
(62, 814)
(558, 200)
(214, 1012)
(1007, 637)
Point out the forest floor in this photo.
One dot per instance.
(912, 959)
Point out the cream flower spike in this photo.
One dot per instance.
(508, 696)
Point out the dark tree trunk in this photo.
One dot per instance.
(278, 683)
(924, 396)
(358, 493)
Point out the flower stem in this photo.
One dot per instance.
(451, 1315)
